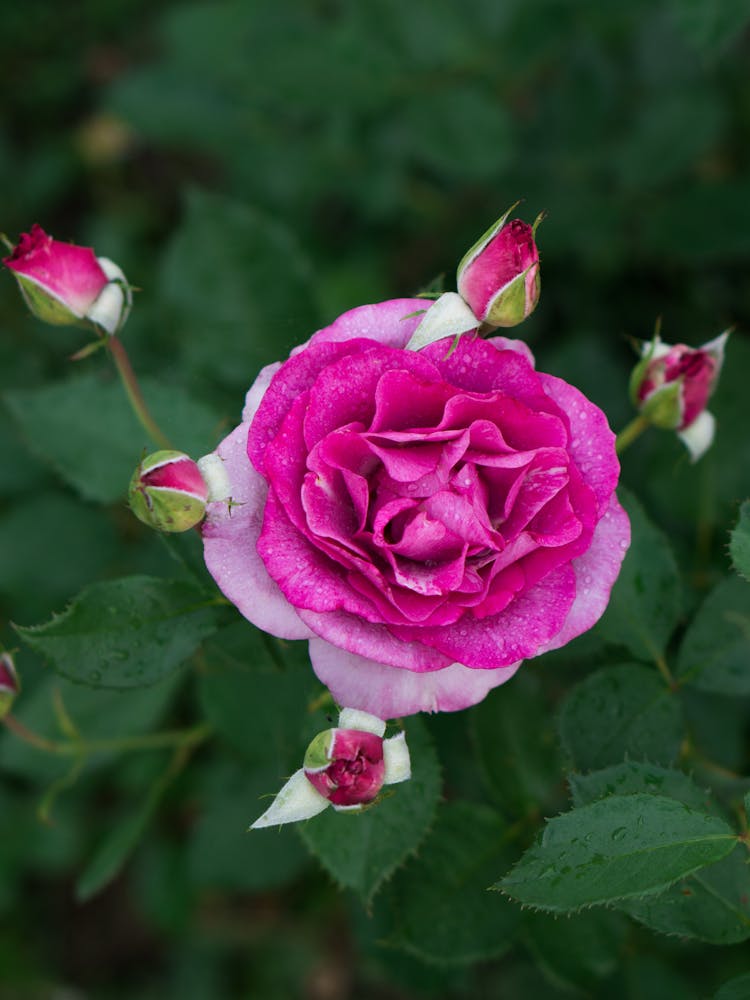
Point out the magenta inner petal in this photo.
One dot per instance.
(345, 392)
(404, 402)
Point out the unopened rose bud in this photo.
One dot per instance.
(672, 384)
(344, 767)
(167, 492)
(499, 277)
(66, 284)
(9, 684)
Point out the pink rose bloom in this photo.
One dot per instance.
(426, 519)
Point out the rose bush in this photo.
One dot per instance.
(426, 519)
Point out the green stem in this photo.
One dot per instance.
(630, 432)
(666, 673)
(130, 382)
(150, 741)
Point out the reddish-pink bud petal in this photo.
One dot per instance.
(69, 273)
(500, 282)
(353, 770)
(690, 373)
(168, 492)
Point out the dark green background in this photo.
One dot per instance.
(256, 168)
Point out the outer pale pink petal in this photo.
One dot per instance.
(390, 692)
(257, 391)
(353, 634)
(383, 321)
(230, 535)
(596, 571)
(592, 444)
(510, 344)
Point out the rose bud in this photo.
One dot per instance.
(672, 384)
(344, 767)
(66, 284)
(168, 492)
(9, 684)
(499, 276)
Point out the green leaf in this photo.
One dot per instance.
(125, 633)
(713, 905)
(619, 711)
(709, 27)
(633, 776)
(241, 275)
(222, 853)
(362, 849)
(117, 847)
(715, 651)
(578, 951)
(441, 909)
(97, 714)
(620, 847)
(51, 528)
(736, 989)
(85, 429)
(255, 693)
(739, 543)
(649, 977)
(516, 746)
(645, 603)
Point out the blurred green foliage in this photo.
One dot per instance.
(256, 168)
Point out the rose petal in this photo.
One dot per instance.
(230, 535)
(68, 272)
(509, 344)
(592, 443)
(389, 323)
(389, 692)
(257, 391)
(533, 618)
(596, 571)
(353, 635)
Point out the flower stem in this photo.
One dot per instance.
(630, 432)
(666, 673)
(150, 741)
(138, 403)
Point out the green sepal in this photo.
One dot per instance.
(638, 373)
(6, 701)
(160, 508)
(664, 408)
(508, 307)
(483, 240)
(317, 755)
(44, 305)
